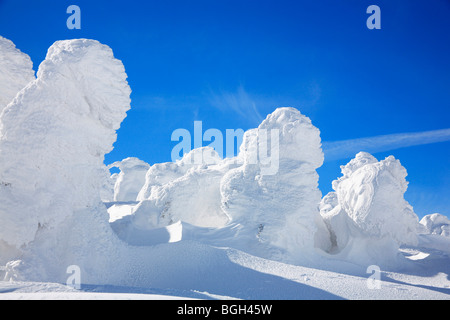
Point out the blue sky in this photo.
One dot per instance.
(230, 63)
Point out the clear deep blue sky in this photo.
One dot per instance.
(230, 63)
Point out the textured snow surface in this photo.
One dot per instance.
(280, 209)
(436, 224)
(367, 215)
(250, 227)
(191, 270)
(16, 71)
(54, 136)
(185, 190)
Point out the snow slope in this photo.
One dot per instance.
(191, 270)
(247, 227)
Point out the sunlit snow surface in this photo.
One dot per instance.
(221, 273)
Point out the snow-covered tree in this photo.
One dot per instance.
(54, 136)
(367, 215)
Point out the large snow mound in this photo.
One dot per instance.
(16, 71)
(367, 215)
(54, 136)
(276, 200)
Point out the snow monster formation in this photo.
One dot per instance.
(278, 205)
(367, 215)
(436, 224)
(54, 136)
(16, 71)
(264, 201)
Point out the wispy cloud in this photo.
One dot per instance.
(253, 106)
(239, 102)
(348, 148)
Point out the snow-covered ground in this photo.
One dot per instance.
(202, 227)
(189, 270)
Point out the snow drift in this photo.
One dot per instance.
(367, 215)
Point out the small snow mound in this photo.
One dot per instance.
(131, 178)
(161, 174)
(203, 156)
(186, 190)
(54, 136)
(436, 224)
